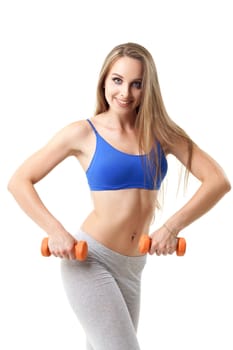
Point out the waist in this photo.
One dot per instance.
(98, 250)
(121, 236)
(120, 217)
(119, 241)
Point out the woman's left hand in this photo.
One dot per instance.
(163, 242)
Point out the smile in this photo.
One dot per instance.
(123, 103)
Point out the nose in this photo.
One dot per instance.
(125, 90)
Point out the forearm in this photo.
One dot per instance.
(29, 201)
(201, 202)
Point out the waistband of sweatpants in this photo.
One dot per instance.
(95, 245)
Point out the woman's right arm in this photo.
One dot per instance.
(65, 143)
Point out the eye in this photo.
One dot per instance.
(117, 81)
(137, 84)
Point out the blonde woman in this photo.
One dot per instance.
(122, 149)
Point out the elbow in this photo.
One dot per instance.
(15, 184)
(227, 186)
(18, 184)
(11, 186)
(224, 185)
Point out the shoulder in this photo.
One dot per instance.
(75, 129)
(74, 135)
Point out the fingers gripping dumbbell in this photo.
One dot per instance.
(145, 245)
(80, 248)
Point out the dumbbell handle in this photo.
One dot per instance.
(145, 244)
(80, 249)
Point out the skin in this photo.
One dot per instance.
(119, 217)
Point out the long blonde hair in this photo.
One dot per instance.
(152, 122)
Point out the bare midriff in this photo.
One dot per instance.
(120, 217)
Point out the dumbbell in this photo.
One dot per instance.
(80, 249)
(145, 244)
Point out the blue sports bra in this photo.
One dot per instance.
(111, 169)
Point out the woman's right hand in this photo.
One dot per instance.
(62, 245)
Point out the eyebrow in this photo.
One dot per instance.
(120, 76)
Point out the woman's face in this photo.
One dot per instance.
(123, 85)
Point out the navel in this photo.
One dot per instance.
(133, 236)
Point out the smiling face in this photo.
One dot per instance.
(123, 85)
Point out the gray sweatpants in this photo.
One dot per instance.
(104, 293)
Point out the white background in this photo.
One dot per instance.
(51, 54)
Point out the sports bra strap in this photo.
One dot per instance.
(91, 124)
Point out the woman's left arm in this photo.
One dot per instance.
(214, 185)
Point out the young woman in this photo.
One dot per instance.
(123, 150)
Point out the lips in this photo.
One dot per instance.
(123, 103)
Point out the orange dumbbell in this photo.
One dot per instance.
(80, 248)
(145, 244)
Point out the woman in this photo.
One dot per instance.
(123, 150)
